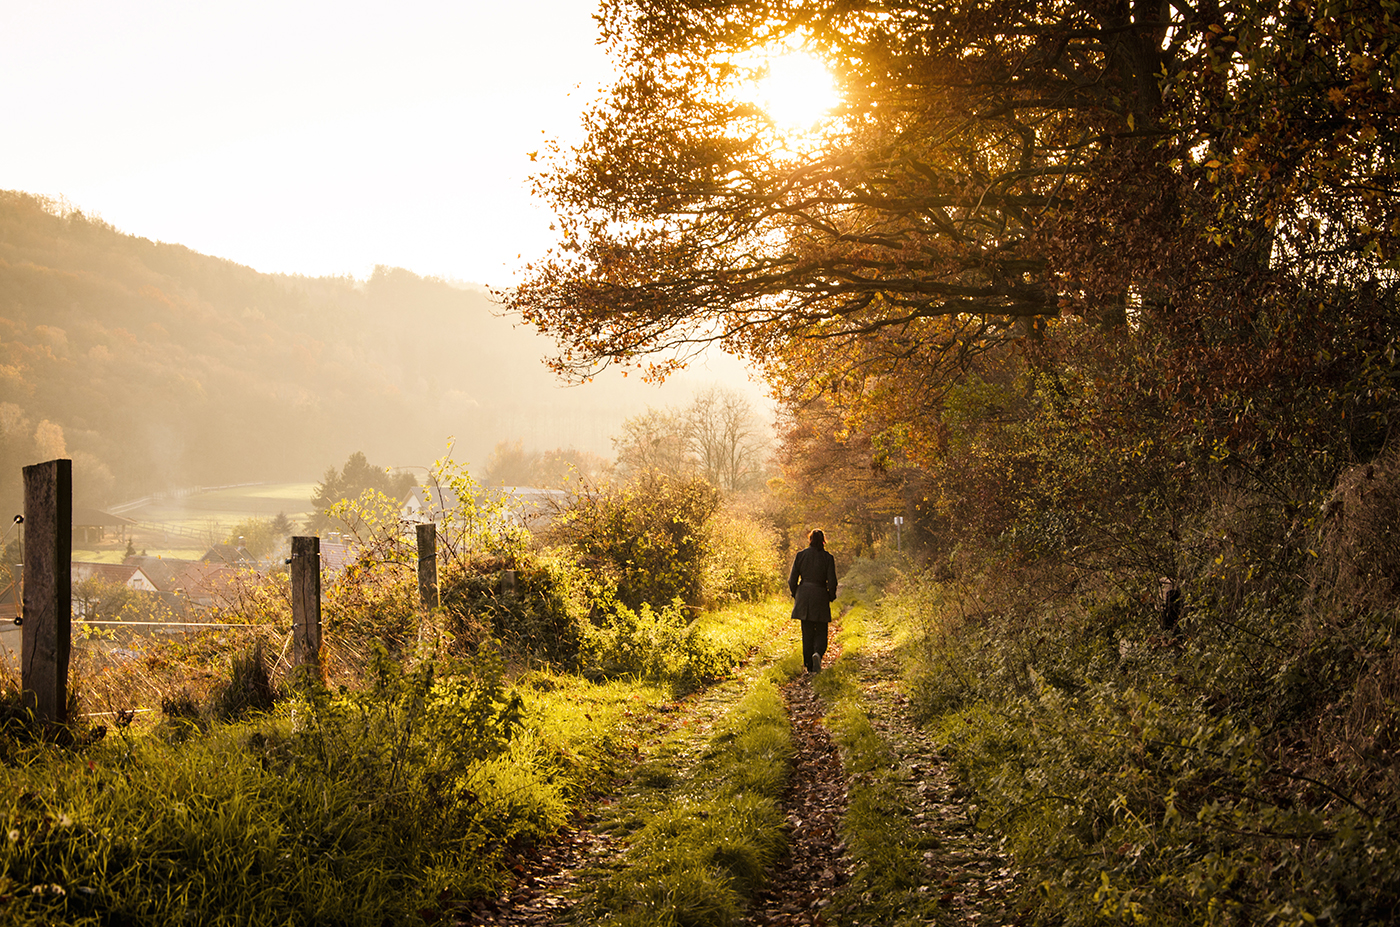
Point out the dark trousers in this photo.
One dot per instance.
(813, 644)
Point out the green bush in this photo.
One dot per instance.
(656, 643)
(740, 563)
(644, 540)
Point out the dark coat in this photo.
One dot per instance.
(813, 584)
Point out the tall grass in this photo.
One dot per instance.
(368, 807)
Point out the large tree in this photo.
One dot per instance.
(995, 165)
(1178, 216)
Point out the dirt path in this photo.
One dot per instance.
(803, 883)
(971, 879)
(974, 881)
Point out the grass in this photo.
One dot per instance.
(705, 835)
(890, 878)
(353, 808)
(375, 806)
(699, 811)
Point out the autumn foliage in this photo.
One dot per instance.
(1101, 299)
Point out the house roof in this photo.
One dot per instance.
(94, 518)
(335, 557)
(227, 553)
(204, 580)
(161, 571)
(436, 498)
(122, 574)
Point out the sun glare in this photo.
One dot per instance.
(797, 91)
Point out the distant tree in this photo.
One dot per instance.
(510, 465)
(727, 439)
(260, 537)
(557, 468)
(718, 436)
(357, 476)
(655, 442)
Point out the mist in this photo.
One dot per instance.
(156, 368)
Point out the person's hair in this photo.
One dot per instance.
(816, 537)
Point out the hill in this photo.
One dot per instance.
(154, 366)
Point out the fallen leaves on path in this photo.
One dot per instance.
(802, 883)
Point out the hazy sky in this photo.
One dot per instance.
(299, 137)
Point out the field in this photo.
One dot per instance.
(185, 526)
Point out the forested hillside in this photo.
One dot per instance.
(153, 366)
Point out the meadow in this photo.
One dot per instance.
(183, 526)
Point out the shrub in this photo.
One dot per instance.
(659, 644)
(645, 540)
(542, 618)
(740, 563)
(1242, 773)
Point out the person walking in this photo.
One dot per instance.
(813, 586)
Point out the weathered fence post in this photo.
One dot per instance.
(48, 569)
(508, 583)
(427, 566)
(306, 602)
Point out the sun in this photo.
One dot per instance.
(796, 91)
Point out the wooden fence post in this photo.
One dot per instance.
(48, 592)
(427, 566)
(306, 603)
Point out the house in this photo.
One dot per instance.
(428, 503)
(160, 570)
(195, 583)
(120, 574)
(86, 598)
(528, 507)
